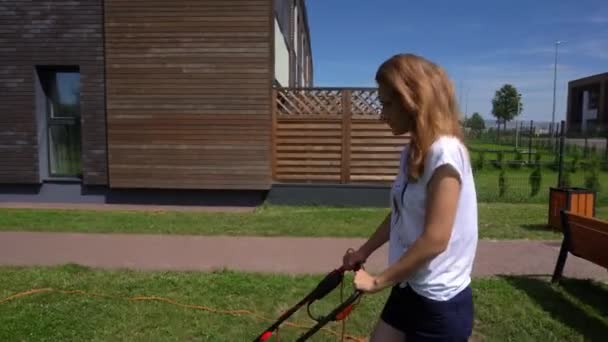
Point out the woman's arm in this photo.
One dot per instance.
(442, 201)
(379, 238)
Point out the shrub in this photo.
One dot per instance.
(499, 160)
(478, 164)
(535, 180)
(555, 163)
(502, 184)
(519, 158)
(566, 179)
(575, 159)
(592, 179)
(575, 151)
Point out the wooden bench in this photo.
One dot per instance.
(585, 237)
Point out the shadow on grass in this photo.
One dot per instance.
(554, 299)
(590, 293)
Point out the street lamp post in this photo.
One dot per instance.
(555, 84)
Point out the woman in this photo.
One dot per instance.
(432, 228)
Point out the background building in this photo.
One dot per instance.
(588, 104)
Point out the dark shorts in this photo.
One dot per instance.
(423, 319)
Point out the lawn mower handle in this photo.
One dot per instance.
(325, 286)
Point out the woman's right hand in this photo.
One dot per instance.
(353, 259)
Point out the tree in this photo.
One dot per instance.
(475, 123)
(506, 104)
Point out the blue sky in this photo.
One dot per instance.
(481, 44)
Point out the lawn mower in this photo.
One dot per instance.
(327, 285)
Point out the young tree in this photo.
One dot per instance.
(506, 104)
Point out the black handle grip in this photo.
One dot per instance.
(357, 267)
(328, 284)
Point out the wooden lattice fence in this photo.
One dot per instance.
(331, 135)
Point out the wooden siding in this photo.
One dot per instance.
(332, 136)
(42, 33)
(189, 93)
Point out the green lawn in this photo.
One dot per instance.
(496, 221)
(509, 147)
(475, 146)
(511, 308)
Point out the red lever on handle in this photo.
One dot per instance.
(344, 313)
(266, 336)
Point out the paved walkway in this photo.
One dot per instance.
(259, 254)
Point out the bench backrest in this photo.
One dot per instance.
(588, 237)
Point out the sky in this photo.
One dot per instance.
(481, 44)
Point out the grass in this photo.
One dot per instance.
(509, 146)
(475, 146)
(510, 308)
(496, 221)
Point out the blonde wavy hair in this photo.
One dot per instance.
(422, 88)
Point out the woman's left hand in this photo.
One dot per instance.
(365, 282)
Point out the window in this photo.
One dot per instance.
(593, 99)
(61, 87)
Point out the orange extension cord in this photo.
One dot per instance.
(343, 336)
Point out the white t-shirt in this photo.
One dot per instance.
(450, 272)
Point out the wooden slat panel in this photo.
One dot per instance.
(589, 205)
(308, 155)
(316, 133)
(309, 177)
(310, 148)
(309, 163)
(367, 149)
(372, 178)
(346, 136)
(374, 170)
(309, 170)
(189, 98)
(296, 125)
(317, 128)
(41, 33)
(391, 163)
(310, 141)
(308, 151)
(574, 202)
